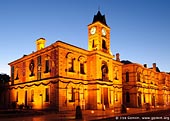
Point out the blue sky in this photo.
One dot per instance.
(140, 29)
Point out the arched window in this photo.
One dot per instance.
(82, 68)
(104, 73)
(70, 62)
(82, 61)
(138, 76)
(127, 76)
(31, 67)
(116, 73)
(71, 65)
(127, 97)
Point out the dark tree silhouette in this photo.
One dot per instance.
(4, 78)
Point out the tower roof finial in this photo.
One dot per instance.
(99, 8)
(99, 17)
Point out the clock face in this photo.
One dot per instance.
(93, 30)
(104, 32)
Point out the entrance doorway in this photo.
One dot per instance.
(139, 100)
(153, 100)
(105, 94)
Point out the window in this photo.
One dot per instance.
(47, 96)
(17, 97)
(144, 100)
(17, 77)
(47, 66)
(93, 44)
(78, 96)
(116, 97)
(70, 62)
(127, 76)
(39, 60)
(82, 61)
(82, 68)
(72, 95)
(39, 67)
(116, 75)
(138, 76)
(12, 74)
(104, 44)
(32, 95)
(104, 73)
(31, 67)
(127, 97)
(71, 65)
(23, 69)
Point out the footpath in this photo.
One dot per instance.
(87, 115)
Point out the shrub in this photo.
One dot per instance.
(21, 106)
(14, 104)
(123, 109)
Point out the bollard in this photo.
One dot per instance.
(78, 112)
(123, 109)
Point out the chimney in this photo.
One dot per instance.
(154, 66)
(117, 57)
(40, 43)
(145, 65)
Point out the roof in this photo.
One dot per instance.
(45, 49)
(126, 62)
(157, 69)
(99, 17)
(129, 62)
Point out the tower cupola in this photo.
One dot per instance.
(99, 34)
(40, 43)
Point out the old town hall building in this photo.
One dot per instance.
(62, 76)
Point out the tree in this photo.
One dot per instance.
(4, 78)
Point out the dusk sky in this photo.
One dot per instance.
(140, 29)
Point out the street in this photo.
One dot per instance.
(99, 115)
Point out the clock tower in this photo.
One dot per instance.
(99, 34)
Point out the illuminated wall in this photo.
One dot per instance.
(72, 76)
(144, 85)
